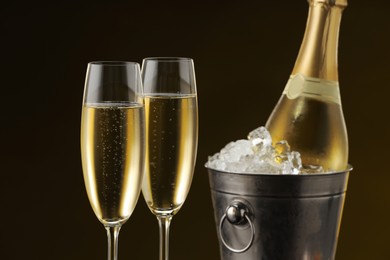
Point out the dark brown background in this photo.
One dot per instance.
(243, 51)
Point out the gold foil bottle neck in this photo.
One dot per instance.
(317, 57)
(329, 3)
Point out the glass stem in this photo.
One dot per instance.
(164, 222)
(112, 238)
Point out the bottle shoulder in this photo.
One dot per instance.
(313, 127)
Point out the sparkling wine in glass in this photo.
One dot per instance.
(171, 138)
(113, 143)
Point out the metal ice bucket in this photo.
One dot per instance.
(272, 217)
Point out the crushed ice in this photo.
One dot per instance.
(257, 155)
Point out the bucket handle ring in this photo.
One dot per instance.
(237, 214)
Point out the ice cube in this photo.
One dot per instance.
(281, 151)
(233, 151)
(296, 162)
(282, 147)
(228, 158)
(261, 140)
(312, 169)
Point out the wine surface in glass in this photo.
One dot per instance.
(172, 133)
(112, 148)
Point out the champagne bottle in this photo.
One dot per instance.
(309, 114)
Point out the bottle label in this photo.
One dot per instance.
(299, 85)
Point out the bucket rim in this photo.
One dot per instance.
(348, 169)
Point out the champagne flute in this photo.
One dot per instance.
(172, 136)
(113, 143)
